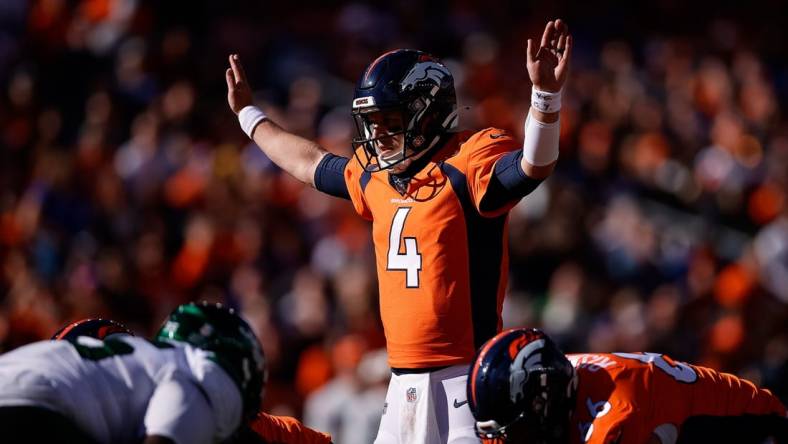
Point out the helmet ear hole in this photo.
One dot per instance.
(417, 105)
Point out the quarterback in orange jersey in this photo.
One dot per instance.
(522, 389)
(438, 200)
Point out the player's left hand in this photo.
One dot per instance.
(548, 65)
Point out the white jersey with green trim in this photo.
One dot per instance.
(121, 389)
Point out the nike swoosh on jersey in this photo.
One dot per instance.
(459, 404)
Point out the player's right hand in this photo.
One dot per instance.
(548, 64)
(239, 93)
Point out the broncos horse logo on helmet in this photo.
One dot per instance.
(430, 71)
(528, 359)
(412, 95)
(522, 388)
(216, 328)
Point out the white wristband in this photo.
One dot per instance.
(540, 146)
(545, 101)
(249, 117)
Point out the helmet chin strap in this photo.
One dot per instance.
(390, 159)
(420, 160)
(399, 165)
(397, 158)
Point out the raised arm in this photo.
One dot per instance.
(548, 67)
(294, 154)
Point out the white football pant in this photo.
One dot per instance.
(428, 408)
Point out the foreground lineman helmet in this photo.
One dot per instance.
(219, 329)
(412, 94)
(95, 328)
(522, 388)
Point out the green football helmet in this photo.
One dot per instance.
(218, 329)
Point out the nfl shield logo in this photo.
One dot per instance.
(410, 395)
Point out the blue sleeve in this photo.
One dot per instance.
(330, 176)
(508, 183)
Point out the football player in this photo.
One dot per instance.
(262, 429)
(438, 200)
(196, 383)
(523, 389)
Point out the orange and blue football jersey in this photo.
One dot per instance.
(441, 252)
(623, 397)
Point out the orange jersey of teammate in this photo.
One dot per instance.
(285, 430)
(441, 258)
(624, 397)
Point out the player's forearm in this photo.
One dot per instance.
(296, 155)
(544, 117)
(540, 148)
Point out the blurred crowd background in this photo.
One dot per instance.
(127, 186)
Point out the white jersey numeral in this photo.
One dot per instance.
(680, 371)
(410, 261)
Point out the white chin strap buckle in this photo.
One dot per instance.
(391, 159)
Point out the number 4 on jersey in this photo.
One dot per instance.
(410, 261)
